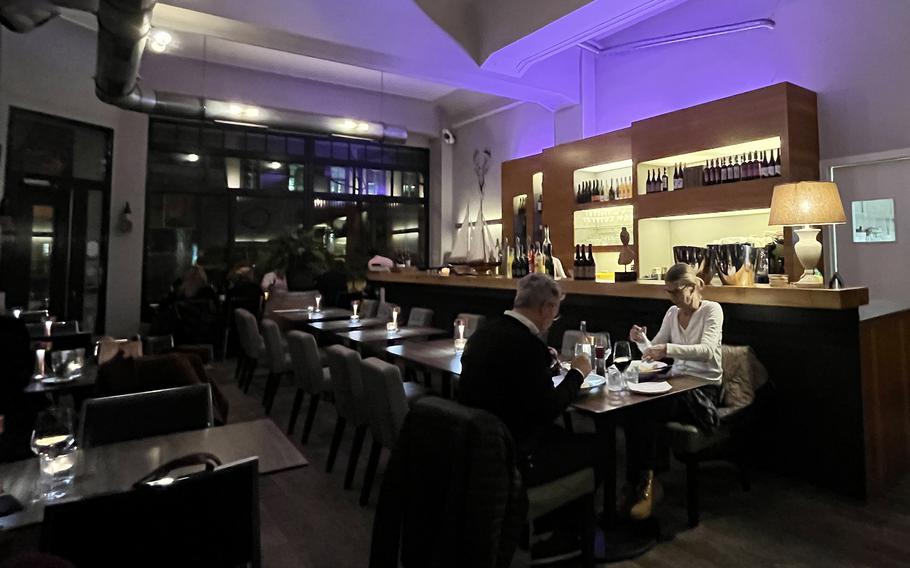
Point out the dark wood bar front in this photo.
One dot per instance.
(823, 424)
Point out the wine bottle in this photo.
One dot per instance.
(525, 262)
(737, 170)
(576, 266)
(550, 265)
(664, 181)
(777, 164)
(764, 164)
(723, 170)
(516, 259)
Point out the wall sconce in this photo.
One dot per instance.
(125, 222)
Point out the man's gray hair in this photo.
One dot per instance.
(535, 290)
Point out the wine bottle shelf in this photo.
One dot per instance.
(751, 194)
(601, 204)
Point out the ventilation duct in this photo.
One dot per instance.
(123, 28)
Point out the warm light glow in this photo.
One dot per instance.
(235, 109)
(348, 124)
(191, 158)
(251, 112)
(699, 158)
(363, 126)
(623, 164)
(274, 165)
(159, 40)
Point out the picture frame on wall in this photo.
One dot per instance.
(873, 221)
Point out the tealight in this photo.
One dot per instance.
(460, 342)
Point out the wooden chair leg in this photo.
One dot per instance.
(359, 434)
(372, 465)
(692, 491)
(310, 416)
(336, 441)
(271, 389)
(295, 410)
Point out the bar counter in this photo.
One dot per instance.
(759, 295)
(837, 392)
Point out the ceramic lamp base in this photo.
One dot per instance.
(808, 250)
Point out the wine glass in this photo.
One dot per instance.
(54, 442)
(622, 355)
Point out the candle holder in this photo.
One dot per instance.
(318, 302)
(265, 296)
(393, 325)
(309, 310)
(355, 305)
(460, 340)
(48, 324)
(40, 354)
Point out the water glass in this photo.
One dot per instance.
(318, 302)
(355, 305)
(616, 380)
(67, 364)
(54, 441)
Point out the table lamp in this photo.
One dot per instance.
(803, 204)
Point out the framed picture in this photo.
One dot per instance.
(873, 221)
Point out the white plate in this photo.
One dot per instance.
(650, 388)
(593, 381)
(646, 367)
(59, 380)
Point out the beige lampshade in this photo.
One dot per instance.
(806, 203)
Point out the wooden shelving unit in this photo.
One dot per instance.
(783, 111)
(517, 180)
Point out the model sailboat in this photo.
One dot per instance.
(462, 239)
(481, 250)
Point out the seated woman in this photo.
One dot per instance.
(691, 334)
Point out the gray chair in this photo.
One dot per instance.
(384, 311)
(279, 361)
(252, 347)
(388, 400)
(420, 317)
(309, 375)
(140, 415)
(347, 387)
(368, 308)
(472, 322)
(743, 381)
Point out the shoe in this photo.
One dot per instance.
(561, 545)
(649, 493)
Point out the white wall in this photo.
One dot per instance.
(51, 70)
(852, 53)
(520, 131)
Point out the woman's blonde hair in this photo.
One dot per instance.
(682, 275)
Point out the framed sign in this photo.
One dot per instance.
(873, 221)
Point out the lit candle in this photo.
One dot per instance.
(47, 327)
(395, 311)
(354, 306)
(17, 312)
(460, 341)
(265, 296)
(318, 302)
(39, 363)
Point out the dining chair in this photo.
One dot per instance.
(384, 311)
(472, 322)
(452, 457)
(139, 415)
(309, 375)
(745, 389)
(209, 518)
(368, 308)
(387, 402)
(420, 317)
(252, 347)
(347, 386)
(279, 361)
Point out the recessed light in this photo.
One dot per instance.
(251, 112)
(363, 126)
(191, 158)
(274, 165)
(235, 109)
(348, 124)
(159, 40)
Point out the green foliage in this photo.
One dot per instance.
(301, 255)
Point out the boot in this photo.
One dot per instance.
(649, 493)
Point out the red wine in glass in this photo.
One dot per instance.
(622, 355)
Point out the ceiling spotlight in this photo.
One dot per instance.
(191, 158)
(159, 40)
(274, 165)
(363, 126)
(348, 124)
(251, 112)
(235, 109)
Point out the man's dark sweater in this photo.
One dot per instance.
(505, 369)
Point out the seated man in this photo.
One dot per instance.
(506, 370)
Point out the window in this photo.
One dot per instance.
(220, 195)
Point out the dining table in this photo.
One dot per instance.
(84, 380)
(361, 337)
(300, 318)
(606, 408)
(435, 355)
(116, 467)
(346, 324)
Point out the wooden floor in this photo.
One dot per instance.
(309, 521)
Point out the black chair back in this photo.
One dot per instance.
(140, 415)
(206, 519)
